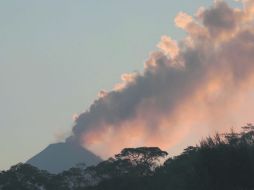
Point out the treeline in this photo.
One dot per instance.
(221, 162)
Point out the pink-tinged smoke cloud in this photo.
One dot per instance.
(187, 89)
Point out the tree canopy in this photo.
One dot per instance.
(219, 162)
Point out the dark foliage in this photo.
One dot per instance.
(222, 162)
(23, 177)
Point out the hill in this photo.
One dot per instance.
(62, 156)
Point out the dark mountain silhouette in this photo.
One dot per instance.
(62, 156)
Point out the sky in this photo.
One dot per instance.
(55, 56)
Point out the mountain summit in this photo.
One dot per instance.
(61, 156)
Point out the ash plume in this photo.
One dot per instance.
(190, 87)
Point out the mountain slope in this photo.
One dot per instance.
(62, 156)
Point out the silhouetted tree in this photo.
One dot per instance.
(144, 158)
(221, 162)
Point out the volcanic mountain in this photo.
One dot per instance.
(61, 156)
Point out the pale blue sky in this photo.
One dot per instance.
(56, 55)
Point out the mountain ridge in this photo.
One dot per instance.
(58, 157)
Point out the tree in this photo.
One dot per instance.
(24, 177)
(144, 158)
(112, 168)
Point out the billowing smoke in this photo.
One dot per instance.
(191, 87)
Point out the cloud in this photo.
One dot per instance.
(221, 19)
(187, 88)
(169, 46)
(183, 20)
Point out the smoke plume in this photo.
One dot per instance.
(188, 88)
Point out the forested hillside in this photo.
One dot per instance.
(224, 161)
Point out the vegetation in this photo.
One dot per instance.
(222, 162)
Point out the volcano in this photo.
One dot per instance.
(62, 156)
